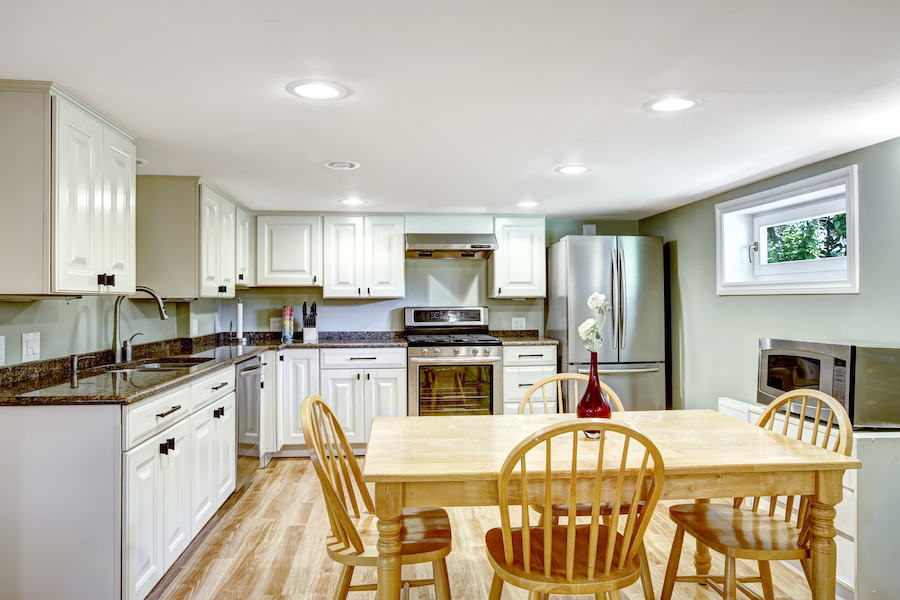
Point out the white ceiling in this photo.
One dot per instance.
(468, 105)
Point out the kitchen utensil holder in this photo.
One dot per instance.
(310, 335)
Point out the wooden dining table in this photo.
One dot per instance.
(456, 460)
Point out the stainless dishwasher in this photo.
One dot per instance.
(249, 386)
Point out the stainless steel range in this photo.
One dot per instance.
(454, 366)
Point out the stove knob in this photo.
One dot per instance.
(487, 351)
(474, 351)
(424, 351)
(456, 351)
(437, 351)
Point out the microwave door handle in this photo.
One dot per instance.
(623, 299)
(615, 298)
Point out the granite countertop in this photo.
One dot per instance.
(100, 386)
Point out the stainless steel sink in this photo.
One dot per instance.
(163, 365)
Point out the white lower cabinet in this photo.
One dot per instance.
(357, 395)
(157, 508)
(523, 366)
(176, 480)
(298, 375)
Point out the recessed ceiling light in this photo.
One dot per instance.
(573, 169)
(352, 201)
(527, 204)
(316, 90)
(342, 165)
(672, 104)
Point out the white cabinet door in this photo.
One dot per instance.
(77, 220)
(244, 249)
(203, 486)
(344, 391)
(209, 242)
(224, 453)
(385, 256)
(289, 250)
(142, 552)
(176, 492)
(299, 379)
(227, 229)
(343, 258)
(385, 395)
(519, 265)
(118, 210)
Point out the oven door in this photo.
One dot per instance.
(455, 386)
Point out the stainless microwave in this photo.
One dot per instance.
(864, 379)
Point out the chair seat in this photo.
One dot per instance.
(582, 510)
(740, 533)
(424, 537)
(516, 574)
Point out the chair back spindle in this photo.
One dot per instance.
(621, 469)
(556, 383)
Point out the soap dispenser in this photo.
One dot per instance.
(127, 347)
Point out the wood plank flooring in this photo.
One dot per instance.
(267, 543)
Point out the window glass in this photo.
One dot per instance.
(809, 239)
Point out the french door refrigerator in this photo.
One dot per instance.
(629, 270)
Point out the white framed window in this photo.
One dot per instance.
(800, 238)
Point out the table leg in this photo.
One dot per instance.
(702, 559)
(822, 549)
(388, 508)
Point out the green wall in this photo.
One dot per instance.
(715, 338)
(557, 229)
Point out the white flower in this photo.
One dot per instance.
(586, 329)
(596, 300)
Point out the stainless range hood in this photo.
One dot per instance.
(450, 245)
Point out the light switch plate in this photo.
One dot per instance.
(518, 323)
(2, 350)
(275, 323)
(31, 347)
(195, 327)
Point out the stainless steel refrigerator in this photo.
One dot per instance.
(629, 270)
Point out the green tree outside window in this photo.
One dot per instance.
(823, 237)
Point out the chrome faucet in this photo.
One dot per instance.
(117, 334)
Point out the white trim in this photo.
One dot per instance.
(736, 221)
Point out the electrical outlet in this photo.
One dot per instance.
(2, 350)
(518, 323)
(31, 347)
(275, 323)
(195, 327)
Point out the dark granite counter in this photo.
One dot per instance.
(528, 337)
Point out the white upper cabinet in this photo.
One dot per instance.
(364, 257)
(68, 181)
(518, 268)
(288, 250)
(186, 231)
(244, 246)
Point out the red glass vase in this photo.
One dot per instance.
(593, 404)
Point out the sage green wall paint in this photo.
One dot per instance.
(434, 283)
(715, 338)
(557, 229)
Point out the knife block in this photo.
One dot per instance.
(310, 335)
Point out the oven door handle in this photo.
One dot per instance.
(456, 360)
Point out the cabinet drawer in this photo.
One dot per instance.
(145, 418)
(362, 358)
(845, 517)
(514, 356)
(517, 380)
(212, 386)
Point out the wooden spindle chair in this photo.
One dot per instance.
(622, 467)
(754, 534)
(556, 383)
(425, 532)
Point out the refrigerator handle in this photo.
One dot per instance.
(615, 298)
(623, 298)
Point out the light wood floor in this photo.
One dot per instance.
(267, 543)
